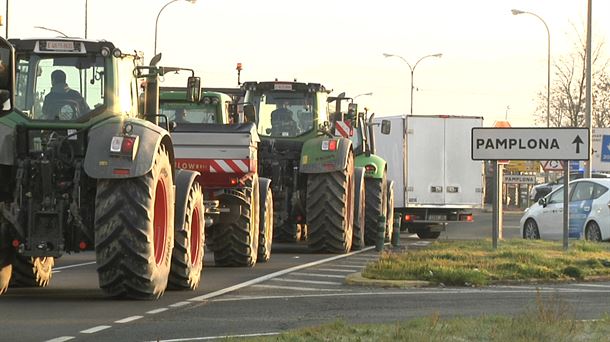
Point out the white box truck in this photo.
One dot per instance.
(435, 179)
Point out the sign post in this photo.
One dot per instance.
(563, 144)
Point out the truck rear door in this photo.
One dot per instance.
(426, 160)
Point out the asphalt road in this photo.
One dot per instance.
(267, 299)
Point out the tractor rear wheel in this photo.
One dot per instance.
(134, 231)
(266, 224)
(31, 271)
(376, 203)
(187, 256)
(330, 209)
(7, 253)
(236, 243)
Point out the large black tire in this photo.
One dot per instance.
(389, 213)
(330, 209)
(376, 203)
(266, 223)
(359, 209)
(236, 243)
(288, 232)
(7, 253)
(31, 272)
(189, 237)
(134, 232)
(426, 233)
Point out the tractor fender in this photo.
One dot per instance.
(380, 165)
(100, 163)
(184, 181)
(316, 160)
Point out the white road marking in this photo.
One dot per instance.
(179, 304)
(592, 285)
(273, 275)
(308, 281)
(334, 270)
(61, 339)
(350, 266)
(317, 275)
(405, 293)
(156, 311)
(216, 337)
(57, 269)
(295, 288)
(128, 319)
(96, 329)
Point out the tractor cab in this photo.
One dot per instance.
(73, 80)
(287, 110)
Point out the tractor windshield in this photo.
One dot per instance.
(284, 114)
(185, 113)
(59, 87)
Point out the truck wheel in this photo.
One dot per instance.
(359, 210)
(288, 232)
(187, 256)
(266, 224)
(236, 243)
(376, 203)
(134, 232)
(389, 213)
(426, 233)
(31, 272)
(330, 209)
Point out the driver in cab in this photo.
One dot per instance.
(60, 96)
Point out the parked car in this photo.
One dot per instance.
(542, 190)
(589, 209)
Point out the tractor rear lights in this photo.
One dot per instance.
(329, 145)
(370, 169)
(82, 245)
(16, 243)
(120, 172)
(409, 217)
(467, 218)
(125, 146)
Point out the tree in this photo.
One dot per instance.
(568, 92)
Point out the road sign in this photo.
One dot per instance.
(489, 143)
(523, 166)
(600, 144)
(519, 179)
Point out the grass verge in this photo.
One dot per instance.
(548, 320)
(476, 263)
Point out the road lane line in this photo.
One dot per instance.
(592, 285)
(61, 339)
(294, 288)
(72, 266)
(179, 304)
(273, 275)
(96, 329)
(318, 275)
(221, 337)
(334, 270)
(128, 319)
(156, 311)
(349, 266)
(318, 282)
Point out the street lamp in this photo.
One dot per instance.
(548, 64)
(412, 68)
(157, 21)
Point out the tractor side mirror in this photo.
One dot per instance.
(193, 89)
(249, 113)
(386, 126)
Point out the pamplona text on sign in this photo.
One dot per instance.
(522, 144)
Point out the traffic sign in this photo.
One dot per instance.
(519, 179)
(489, 143)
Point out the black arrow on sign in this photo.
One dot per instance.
(578, 141)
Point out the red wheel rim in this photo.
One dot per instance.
(160, 221)
(195, 235)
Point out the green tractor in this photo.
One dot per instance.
(85, 170)
(312, 171)
(378, 190)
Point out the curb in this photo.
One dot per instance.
(358, 279)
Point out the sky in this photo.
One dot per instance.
(493, 63)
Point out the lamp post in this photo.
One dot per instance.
(157, 21)
(548, 64)
(365, 94)
(412, 68)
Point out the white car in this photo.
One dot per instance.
(589, 209)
